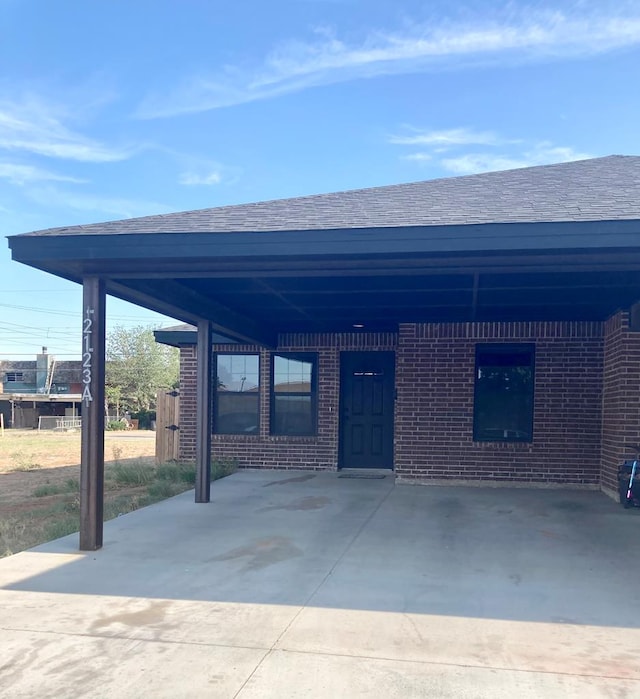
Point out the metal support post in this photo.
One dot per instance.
(92, 449)
(203, 412)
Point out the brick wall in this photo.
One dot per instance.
(575, 414)
(434, 411)
(187, 421)
(620, 396)
(264, 450)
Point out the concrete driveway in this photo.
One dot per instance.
(292, 584)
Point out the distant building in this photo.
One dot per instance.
(41, 388)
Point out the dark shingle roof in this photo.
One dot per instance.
(588, 190)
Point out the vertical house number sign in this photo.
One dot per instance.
(87, 355)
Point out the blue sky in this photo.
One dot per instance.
(116, 109)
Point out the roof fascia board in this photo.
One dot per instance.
(381, 265)
(583, 260)
(310, 243)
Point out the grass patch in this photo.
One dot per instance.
(116, 426)
(61, 526)
(48, 489)
(220, 468)
(176, 472)
(129, 486)
(21, 532)
(137, 473)
(71, 485)
(16, 534)
(161, 490)
(122, 504)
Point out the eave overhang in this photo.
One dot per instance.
(254, 285)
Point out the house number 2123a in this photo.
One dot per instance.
(87, 355)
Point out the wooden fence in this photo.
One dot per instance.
(167, 427)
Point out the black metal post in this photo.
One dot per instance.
(92, 450)
(203, 412)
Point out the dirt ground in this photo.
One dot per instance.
(40, 482)
(30, 459)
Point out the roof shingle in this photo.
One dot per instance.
(588, 190)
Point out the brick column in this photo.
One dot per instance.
(620, 397)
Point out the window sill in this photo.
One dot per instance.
(502, 443)
(283, 439)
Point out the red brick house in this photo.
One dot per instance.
(562, 428)
(479, 328)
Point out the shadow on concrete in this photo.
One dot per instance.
(295, 538)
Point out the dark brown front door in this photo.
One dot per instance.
(366, 409)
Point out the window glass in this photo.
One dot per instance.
(237, 398)
(293, 394)
(292, 414)
(291, 375)
(237, 413)
(503, 407)
(238, 372)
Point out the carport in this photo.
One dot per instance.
(533, 253)
(306, 584)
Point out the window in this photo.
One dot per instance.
(14, 376)
(293, 394)
(503, 410)
(237, 395)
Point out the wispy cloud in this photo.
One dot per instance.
(449, 149)
(446, 138)
(526, 34)
(540, 154)
(199, 170)
(119, 207)
(25, 174)
(419, 157)
(195, 178)
(33, 127)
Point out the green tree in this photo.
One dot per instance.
(137, 366)
(113, 397)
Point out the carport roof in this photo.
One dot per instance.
(554, 242)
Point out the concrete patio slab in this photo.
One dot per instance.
(294, 675)
(303, 584)
(77, 666)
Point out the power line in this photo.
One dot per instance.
(74, 314)
(41, 291)
(76, 355)
(50, 311)
(30, 329)
(55, 311)
(24, 337)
